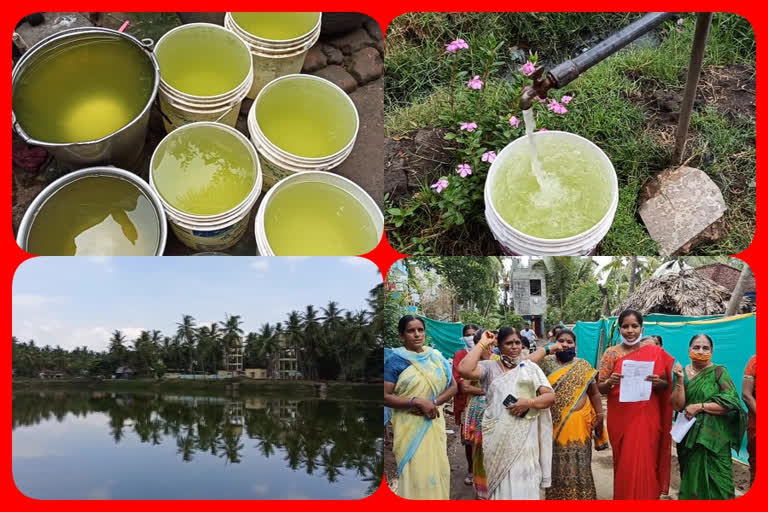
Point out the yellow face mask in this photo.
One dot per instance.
(700, 358)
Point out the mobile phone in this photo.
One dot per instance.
(509, 401)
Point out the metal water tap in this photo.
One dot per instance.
(540, 88)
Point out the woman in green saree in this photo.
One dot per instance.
(704, 390)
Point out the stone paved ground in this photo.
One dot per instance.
(353, 61)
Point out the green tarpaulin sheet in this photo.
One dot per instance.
(444, 336)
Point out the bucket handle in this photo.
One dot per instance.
(148, 43)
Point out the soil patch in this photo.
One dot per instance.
(413, 159)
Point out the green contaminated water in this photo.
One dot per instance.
(306, 117)
(203, 170)
(96, 216)
(318, 219)
(277, 26)
(575, 195)
(84, 90)
(203, 61)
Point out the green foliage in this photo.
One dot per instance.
(584, 303)
(613, 106)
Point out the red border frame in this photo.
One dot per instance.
(383, 255)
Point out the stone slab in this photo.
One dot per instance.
(682, 208)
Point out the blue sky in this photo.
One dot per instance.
(75, 301)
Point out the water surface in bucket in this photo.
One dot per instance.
(83, 91)
(278, 26)
(318, 219)
(575, 195)
(203, 170)
(306, 117)
(203, 61)
(96, 216)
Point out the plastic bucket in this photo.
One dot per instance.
(205, 73)
(31, 215)
(273, 57)
(216, 225)
(282, 152)
(514, 242)
(121, 147)
(327, 178)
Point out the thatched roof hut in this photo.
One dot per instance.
(686, 293)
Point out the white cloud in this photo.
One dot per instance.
(356, 261)
(34, 301)
(104, 261)
(260, 264)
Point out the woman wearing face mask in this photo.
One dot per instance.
(577, 414)
(705, 391)
(472, 427)
(417, 382)
(517, 425)
(638, 431)
(463, 392)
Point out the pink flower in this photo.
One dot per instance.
(541, 100)
(679, 26)
(456, 45)
(557, 108)
(464, 170)
(470, 127)
(439, 185)
(488, 156)
(475, 83)
(515, 122)
(525, 88)
(566, 99)
(680, 21)
(542, 130)
(528, 68)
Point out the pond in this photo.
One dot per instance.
(103, 445)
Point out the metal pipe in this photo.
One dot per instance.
(703, 22)
(567, 71)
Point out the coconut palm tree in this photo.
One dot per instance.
(186, 337)
(232, 338)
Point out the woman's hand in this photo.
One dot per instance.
(556, 347)
(426, 408)
(521, 406)
(598, 425)
(487, 341)
(677, 370)
(692, 410)
(656, 381)
(614, 379)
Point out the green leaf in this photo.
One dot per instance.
(449, 136)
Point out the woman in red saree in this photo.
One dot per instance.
(638, 431)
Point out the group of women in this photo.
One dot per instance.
(529, 420)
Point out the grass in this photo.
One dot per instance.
(612, 107)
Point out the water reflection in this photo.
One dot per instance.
(338, 442)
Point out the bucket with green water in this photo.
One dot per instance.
(278, 41)
(317, 213)
(300, 123)
(567, 213)
(85, 94)
(98, 211)
(208, 178)
(205, 73)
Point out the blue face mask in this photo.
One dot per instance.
(566, 355)
(469, 341)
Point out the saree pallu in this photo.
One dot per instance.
(420, 444)
(517, 452)
(472, 432)
(639, 433)
(572, 447)
(706, 470)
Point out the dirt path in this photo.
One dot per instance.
(602, 469)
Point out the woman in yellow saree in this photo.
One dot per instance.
(417, 382)
(576, 414)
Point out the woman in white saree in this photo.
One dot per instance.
(517, 435)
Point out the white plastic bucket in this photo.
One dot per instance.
(273, 58)
(216, 231)
(328, 178)
(181, 107)
(278, 162)
(111, 172)
(514, 242)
